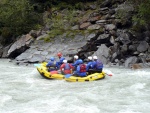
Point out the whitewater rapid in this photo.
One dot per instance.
(23, 90)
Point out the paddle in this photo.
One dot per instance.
(108, 74)
(68, 75)
(37, 65)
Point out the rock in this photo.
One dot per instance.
(103, 53)
(143, 46)
(101, 22)
(110, 27)
(106, 3)
(112, 40)
(112, 11)
(104, 9)
(130, 60)
(94, 19)
(36, 58)
(84, 25)
(103, 36)
(114, 56)
(136, 53)
(94, 27)
(136, 66)
(42, 36)
(24, 56)
(20, 46)
(93, 7)
(75, 27)
(90, 37)
(149, 49)
(124, 48)
(1, 51)
(34, 33)
(132, 47)
(124, 37)
(5, 51)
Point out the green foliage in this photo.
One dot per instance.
(143, 12)
(79, 6)
(18, 17)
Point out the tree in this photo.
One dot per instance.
(17, 17)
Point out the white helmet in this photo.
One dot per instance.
(76, 57)
(94, 57)
(90, 58)
(64, 61)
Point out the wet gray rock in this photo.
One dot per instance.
(106, 3)
(36, 58)
(143, 46)
(110, 27)
(101, 22)
(94, 27)
(84, 25)
(24, 56)
(1, 52)
(20, 45)
(124, 37)
(103, 53)
(5, 51)
(41, 51)
(130, 60)
(90, 37)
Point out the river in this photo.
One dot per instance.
(23, 90)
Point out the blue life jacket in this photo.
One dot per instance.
(89, 66)
(59, 62)
(99, 64)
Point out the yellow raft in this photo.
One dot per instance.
(42, 69)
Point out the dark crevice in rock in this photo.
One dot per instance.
(17, 52)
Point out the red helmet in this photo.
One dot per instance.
(59, 54)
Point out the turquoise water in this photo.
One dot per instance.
(23, 90)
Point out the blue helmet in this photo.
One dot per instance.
(52, 58)
(80, 61)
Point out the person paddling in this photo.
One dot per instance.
(97, 65)
(66, 68)
(81, 69)
(60, 62)
(89, 65)
(76, 62)
(51, 65)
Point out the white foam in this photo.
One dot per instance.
(4, 99)
(128, 111)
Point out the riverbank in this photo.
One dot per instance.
(104, 31)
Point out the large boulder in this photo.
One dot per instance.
(143, 46)
(103, 53)
(20, 46)
(131, 60)
(123, 36)
(41, 51)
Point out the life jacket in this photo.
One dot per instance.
(99, 64)
(67, 67)
(82, 68)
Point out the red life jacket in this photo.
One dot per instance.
(67, 67)
(82, 68)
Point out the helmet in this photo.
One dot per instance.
(52, 58)
(76, 57)
(90, 58)
(80, 61)
(94, 57)
(64, 61)
(59, 54)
